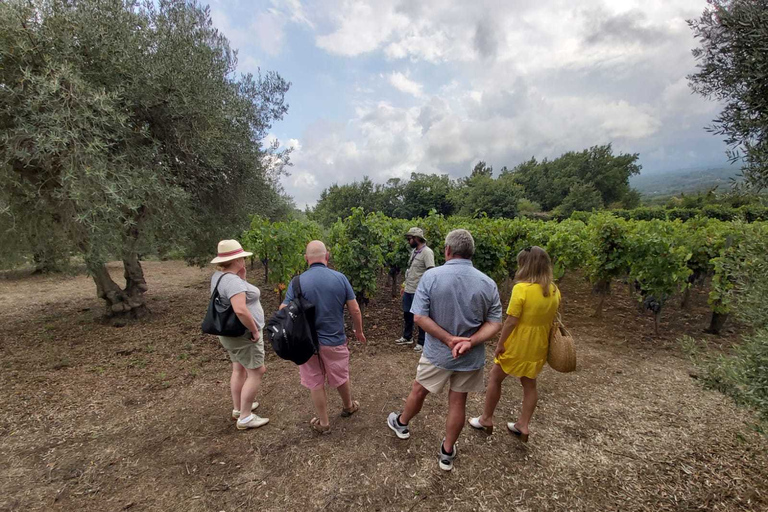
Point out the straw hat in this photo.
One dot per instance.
(416, 232)
(230, 250)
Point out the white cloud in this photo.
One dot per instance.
(237, 37)
(248, 64)
(505, 81)
(268, 31)
(363, 27)
(295, 11)
(302, 180)
(404, 84)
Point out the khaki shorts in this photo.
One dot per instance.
(244, 351)
(434, 378)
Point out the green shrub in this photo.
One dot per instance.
(527, 206)
(743, 373)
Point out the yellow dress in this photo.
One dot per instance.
(525, 351)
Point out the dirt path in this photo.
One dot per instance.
(136, 418)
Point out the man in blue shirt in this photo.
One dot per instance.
(459, 308)
(329, 291)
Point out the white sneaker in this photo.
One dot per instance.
(255, 422)
(400, 431)
(236, 413)
(403, 341)
(418, 348)
(445, 460)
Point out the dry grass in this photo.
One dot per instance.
(136, 418)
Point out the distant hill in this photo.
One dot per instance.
(687, 181)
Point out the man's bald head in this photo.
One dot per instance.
(316, 252)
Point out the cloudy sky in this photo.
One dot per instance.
(386, 87)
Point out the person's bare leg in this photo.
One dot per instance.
(492, 394)
(457, 404)
(345, 392)
(250, 388)
(413, 403)
(236, 382)
(530, 398)
(320, 401)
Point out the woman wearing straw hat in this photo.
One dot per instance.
(247, 351)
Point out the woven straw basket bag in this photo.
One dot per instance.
(561, 356)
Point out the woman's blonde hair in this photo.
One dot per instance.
(535, 266)
(221, 267)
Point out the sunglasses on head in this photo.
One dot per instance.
(528, 249)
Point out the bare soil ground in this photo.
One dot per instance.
(94, 417)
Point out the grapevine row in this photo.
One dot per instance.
(656, 258)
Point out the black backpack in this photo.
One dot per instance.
(220, 319)
(292, 329)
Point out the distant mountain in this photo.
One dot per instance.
(687, 181)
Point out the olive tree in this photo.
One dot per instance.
(124, 127)
(733, 69)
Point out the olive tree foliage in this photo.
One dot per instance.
(123, 128)
(733, 69)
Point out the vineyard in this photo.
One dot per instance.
(658, 260)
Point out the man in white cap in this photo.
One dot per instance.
(422, 259)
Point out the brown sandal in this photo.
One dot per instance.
(317, 427)
(346, 413)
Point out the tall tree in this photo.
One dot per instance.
(480, 193)
(549, 182)
(733, 69)
(124, 125)
(336, 202)
(426, 192)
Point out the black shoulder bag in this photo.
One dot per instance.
(220, 319)
(292, 329)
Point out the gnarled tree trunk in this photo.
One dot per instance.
(686, 302)
(393, 273)
(717, 323)
(121, 304)
(135, 285)
(602, 289)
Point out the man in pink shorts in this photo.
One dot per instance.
(329, 291)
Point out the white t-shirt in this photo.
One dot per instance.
(231, 285)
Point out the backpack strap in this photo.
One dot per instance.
(296, 282)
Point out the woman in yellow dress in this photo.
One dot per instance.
(524, 339)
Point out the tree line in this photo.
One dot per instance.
(584, 180)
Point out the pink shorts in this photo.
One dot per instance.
(334, 367)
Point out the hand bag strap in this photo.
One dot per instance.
(216, 288)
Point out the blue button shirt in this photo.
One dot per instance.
(329, 291)
(459, 298)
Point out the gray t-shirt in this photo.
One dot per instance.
(420, 261)
(231, 285)
(459, 298)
